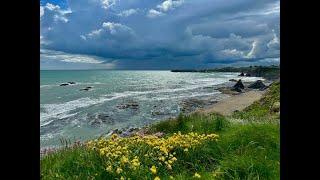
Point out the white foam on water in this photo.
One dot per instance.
(62, 110)
(251, 79)
(47, 86)
(179, 97)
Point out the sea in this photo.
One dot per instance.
(99, 101)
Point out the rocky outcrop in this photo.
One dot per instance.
(242, 74)
(233, 80)
(86, 88)
(68, 83)
(238, 86)
(100, 119)
(257, 85)
(125, 132)
(132, 105)
(248, 74)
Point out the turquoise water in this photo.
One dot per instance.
(68, 112)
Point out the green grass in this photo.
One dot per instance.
(263, 110)
(243, 151)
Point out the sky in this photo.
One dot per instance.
(158, 34)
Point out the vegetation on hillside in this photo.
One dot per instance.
(196, 146)
(268, 72)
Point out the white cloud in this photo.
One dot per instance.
(154, 13)
(43, 41)
(54, 12)
(274, 42)
(41, 11)
(111, 28)
(232, 53)
(57, 17)
(169, 4)
(83, 37)
(71, 58)
(128, 12)
(52, 7)
(94, 33)
(252, 52)
(273, 9)
(106, 4)
(114, 28)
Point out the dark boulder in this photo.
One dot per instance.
(239, 84)
(71, 82)
(242, 74)
(236, 89)
(248, 75)
(64, 84)
(257, 85)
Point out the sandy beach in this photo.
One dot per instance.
(234, 103)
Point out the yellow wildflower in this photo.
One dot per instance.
(157, 178)
(124, 160)
(122, 178)
(119, 170)
(153, 169)
(196, 175)
(109, 168)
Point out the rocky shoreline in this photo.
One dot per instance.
(229, 89)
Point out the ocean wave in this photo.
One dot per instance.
(46, 86)
(62, 110)
(180, 97)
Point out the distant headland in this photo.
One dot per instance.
(269, 72)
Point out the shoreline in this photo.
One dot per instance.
(226, 106)
(234, 103)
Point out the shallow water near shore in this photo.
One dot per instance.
(118, 99)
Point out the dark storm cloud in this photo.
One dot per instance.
(165, 34)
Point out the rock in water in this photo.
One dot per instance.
(71, 82)
(64, 84)
(248, 75)
(84, 89)
(242, 74)
(257, 85)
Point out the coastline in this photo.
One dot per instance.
(232, 101)
(251, 138)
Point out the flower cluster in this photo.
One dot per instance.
(126, 155)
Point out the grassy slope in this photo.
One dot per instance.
(248, 150)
